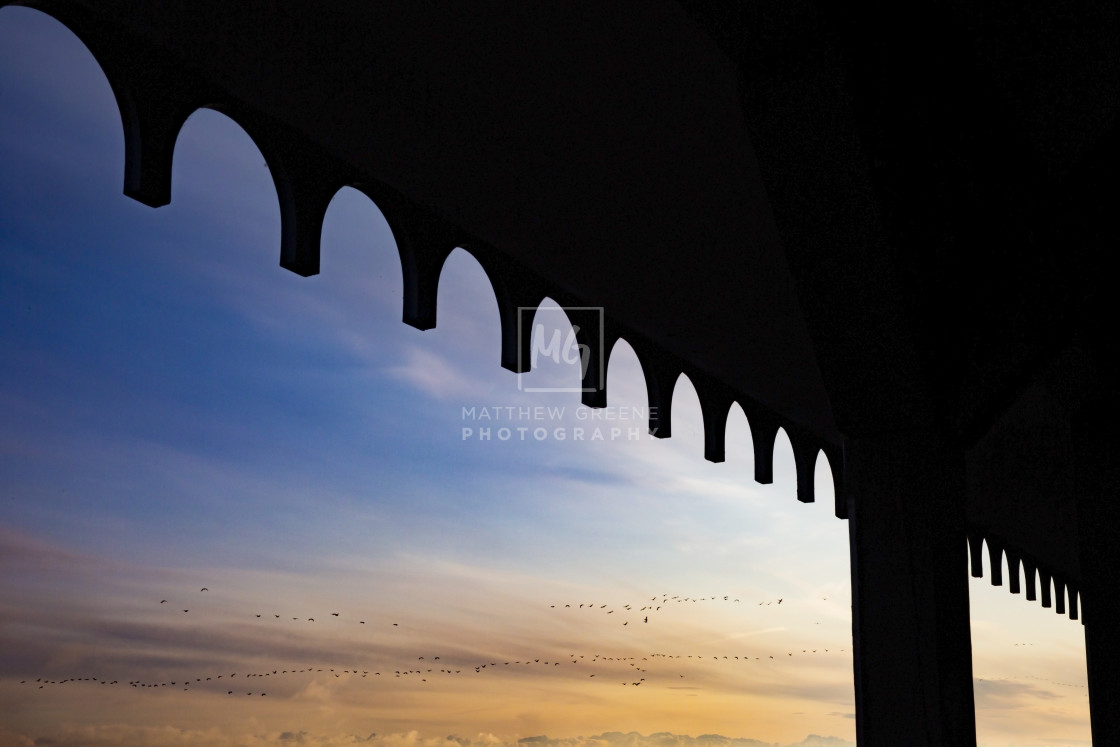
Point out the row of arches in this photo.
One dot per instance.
(155, 102)
(1040, 582)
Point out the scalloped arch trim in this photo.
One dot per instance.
(155, 101)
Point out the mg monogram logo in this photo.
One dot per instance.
(550, 343)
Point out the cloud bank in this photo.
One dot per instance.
(166, 736)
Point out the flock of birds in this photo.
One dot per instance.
(274, 614)
(607, 670)
(655, 605)
(606, 667)
(1030, 677)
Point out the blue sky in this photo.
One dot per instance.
(176, 411)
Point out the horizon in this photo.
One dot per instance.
(179, 413)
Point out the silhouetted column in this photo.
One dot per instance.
(910, 623)
(1098, 525)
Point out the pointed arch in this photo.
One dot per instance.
(784, 459)
(687, 408)
(464, 284)
(995, 560)
(351, 217)
(626, 379)
(824, 478)
(552, 333)
(738, 436)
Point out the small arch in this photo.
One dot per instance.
(552, 336)
(688, 415)
(354, 224)
(217, 145)
(995, 561)
(1044, 586)
(824, 479)
(78, 63)
(465, 286)
(784, 461)
(737, 433)
(1030, 579)
(626, 379)
(1059, 595)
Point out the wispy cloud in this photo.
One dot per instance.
(1008, 694)
(22, 552)
(434, 375)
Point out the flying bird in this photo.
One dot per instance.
(204, 589)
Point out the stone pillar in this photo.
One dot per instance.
(910, 623)
(1097, 480)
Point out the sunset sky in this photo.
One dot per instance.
(177, 412)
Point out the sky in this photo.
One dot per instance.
(178, 413)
